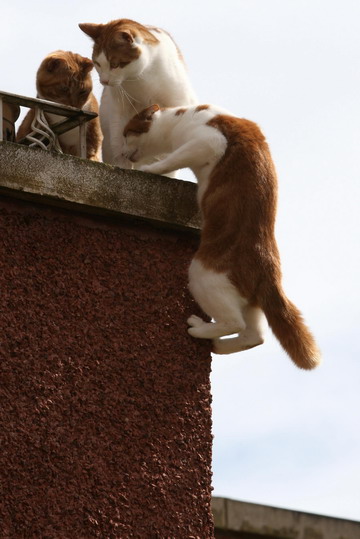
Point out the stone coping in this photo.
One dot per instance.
(98, 188)
(266, 521)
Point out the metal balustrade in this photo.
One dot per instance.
(43, 134)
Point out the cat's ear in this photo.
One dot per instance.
(87, 65)
(126, 37)
(92, 30)
(148, 113)
(53, 63)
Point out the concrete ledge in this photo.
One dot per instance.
(67, 181)
(265, 521)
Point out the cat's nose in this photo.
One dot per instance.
(105, 82)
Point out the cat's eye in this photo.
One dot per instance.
(64, 90)
(96, 63)
(113, 65)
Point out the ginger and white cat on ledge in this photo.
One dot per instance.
(235, 275)
(138, 65)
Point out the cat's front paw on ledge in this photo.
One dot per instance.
(146, 168)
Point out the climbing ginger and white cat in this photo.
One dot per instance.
(235, 275)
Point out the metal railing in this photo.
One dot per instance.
(43, 134)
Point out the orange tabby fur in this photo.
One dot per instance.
(64, 77)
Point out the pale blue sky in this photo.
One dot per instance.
(282, 436)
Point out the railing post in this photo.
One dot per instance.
(41, 129)
(82, 139)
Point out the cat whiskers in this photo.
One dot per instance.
(124, 94)
(120, 95)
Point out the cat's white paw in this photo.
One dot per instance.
(235, 344)
(152, 169)
(195, 321)
(145, 168)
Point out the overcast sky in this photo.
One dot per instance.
(283, 437)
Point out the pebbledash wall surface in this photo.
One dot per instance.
(105, 406)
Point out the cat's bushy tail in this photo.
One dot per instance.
(287, 324)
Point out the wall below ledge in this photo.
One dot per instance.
(105, 414)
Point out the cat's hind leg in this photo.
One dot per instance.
(219, 299)
(252, 336)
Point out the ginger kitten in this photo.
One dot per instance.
(64, 77)
(235, 275)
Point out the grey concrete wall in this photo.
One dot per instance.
(240, 518)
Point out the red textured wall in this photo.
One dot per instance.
(105, 419)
